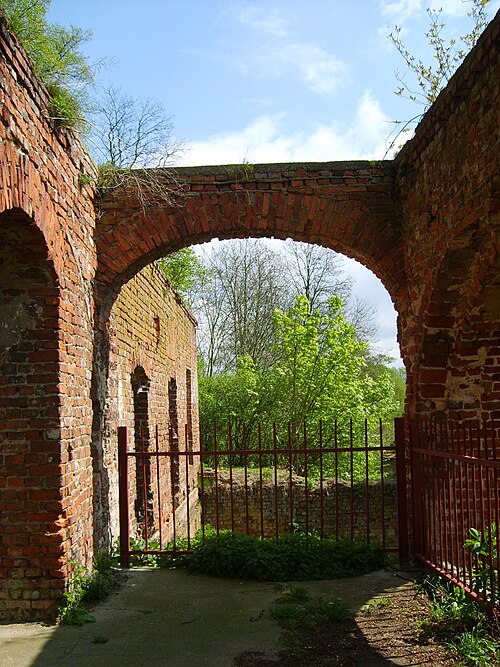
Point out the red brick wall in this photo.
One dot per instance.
(149, 329)
(46, 319)
(448, 189)
(426, 224)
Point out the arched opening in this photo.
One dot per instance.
(142, 443)
(32, 535)
(460, 336)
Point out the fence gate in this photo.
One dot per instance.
(334, 482)
(455, 470)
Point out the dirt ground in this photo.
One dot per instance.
(383, 632)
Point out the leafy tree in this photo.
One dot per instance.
(184, 270)
(56, 57)
(320, 375)
(245, 282)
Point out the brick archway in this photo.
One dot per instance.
(31, 539)
(345, 206)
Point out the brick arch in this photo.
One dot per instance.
(31, 538)
(345, 206)
(460, 335)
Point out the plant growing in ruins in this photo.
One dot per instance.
(429, 78)
(56, 57)
(134, 147)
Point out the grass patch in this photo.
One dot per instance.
(459, 622)
(86, 588)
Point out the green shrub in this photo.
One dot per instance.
(294, 557)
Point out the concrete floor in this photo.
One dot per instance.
(170, 618)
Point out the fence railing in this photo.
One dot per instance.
(455, 469)
(340, 484)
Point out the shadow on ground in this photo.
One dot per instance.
(168, 617)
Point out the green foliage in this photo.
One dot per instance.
(56, 57)
(322, 375)
(294, 557)
(484, 546)
(459, 622)
(447, 54)
(183, 269)
(86, 588)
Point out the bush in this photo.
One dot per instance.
(294, 557)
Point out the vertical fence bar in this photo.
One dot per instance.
(245, 460)
(321, 491)
(173, 464)
(351, 448)
(216, 480)
(402, 493)
(382, 487)
(123, 497)
(187, 458)
(305, 479)
(230, 457)
(336, 440)
(290, 474)
(367, 485)
(158, 491)
(202, 486)
(275, 445)
(259, 436)
(144, 489)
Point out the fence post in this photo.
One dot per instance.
(402, 493)
(123, 497)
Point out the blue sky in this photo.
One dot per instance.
(273, 81)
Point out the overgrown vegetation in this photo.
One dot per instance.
(87, 587)
(294, 557)
(57, 58)
(460, 623)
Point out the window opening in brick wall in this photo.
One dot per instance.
(173, 430)
(144, 495)
(189, 414)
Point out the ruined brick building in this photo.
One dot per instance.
(73, 367)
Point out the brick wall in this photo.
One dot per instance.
(448, 188)
(47, 263)
(152, 364)
(231, 503)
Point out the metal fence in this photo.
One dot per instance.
(455, 469)
(333, 482)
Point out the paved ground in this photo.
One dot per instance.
(170, 618)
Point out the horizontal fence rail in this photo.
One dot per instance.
(455, 469)
(336, 483)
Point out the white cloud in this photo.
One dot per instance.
(274, 51)
(263, 140)
(400, 10)
(268, 21)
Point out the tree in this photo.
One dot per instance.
(317, 273)
(131, 133)
(245, 282)
(56, 57)
(320, 375)
(184, 271)
(447, 55)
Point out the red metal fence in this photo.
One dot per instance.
(455, 469)
(258, 481)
